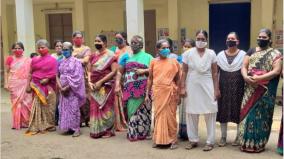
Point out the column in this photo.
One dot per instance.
(173, 21)
(135, 18)
(267, 7)
(25, 24)
(81, 21)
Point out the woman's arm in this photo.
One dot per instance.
(183, 78)
(108, 76)
(277, 68)
(214, 68)
(118, 77)
(244, 71)
(149, 85)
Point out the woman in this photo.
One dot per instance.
(58, 48)
(82, 53)
(43, 83)
(200, 83)
(122, 48)
(59, 57)
(18, 68)
(134, 68)
(188, 44)
(261, 69)
(164, 75)
(102, 69)
(231, 85)
(71, 84)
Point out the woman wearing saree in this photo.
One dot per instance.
(18, 68)
(134, 68)
(43, 83)
(261, 69)
(82, 53)
(164, 75)
(59, 57)
(101, 70)
(71, 84)
(122, 47)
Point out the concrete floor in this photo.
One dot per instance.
(15, 145)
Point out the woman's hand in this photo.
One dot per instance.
(117, 89)
(217, 94)
(97, 85)
(29, 89)
(147, 99)
(44, 81)
(139, 71)
(183, 93)
(91, 85)
(250, 80)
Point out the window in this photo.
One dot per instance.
(60, 27)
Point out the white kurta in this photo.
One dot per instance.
(199, 82)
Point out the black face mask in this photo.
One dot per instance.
(119, 41)
(231, 43)
(98, 46)
(262, 43)
(135, 48)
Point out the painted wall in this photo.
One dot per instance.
(109, 16)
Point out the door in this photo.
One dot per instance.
(150, 31)
(228, 17)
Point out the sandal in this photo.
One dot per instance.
(154, 145)
(222, 142)
(76, 134)
(173, 146)
(208, 147)
(191, 145)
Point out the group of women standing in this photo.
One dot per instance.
(115, 89)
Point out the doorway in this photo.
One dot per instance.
(225, 18)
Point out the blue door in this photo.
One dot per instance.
(228, 17)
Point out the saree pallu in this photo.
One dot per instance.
(17, 84)
(258, 103)
(139, 112)
(165, 102)
(120, 123)
(102, 101)
(42, 115)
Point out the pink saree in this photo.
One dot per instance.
(19, 69)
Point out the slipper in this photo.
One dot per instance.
(208, 147)
(191, 145)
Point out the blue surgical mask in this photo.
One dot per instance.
(66, 53)
(165, 52)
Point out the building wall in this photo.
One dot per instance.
(110, 16)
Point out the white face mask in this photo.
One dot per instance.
(200, 44)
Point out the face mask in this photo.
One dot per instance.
(231, 43)
(77, 41)
(262, 43)
(98, 46)
(165, 52)
(18, 53)
(66, 53)
(135, 48)
(119, 41)
(43, 52)
(200, 44)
